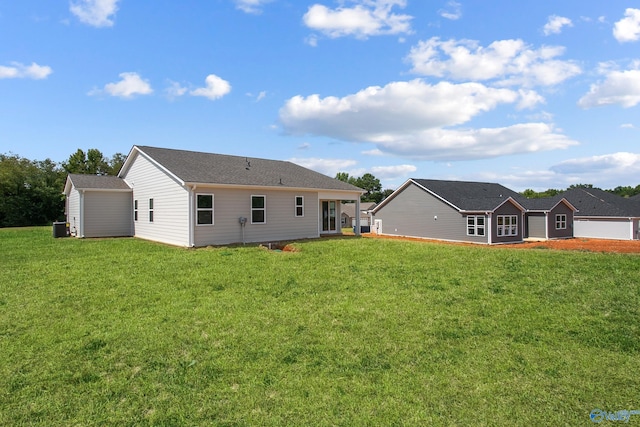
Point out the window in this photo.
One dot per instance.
(150, 210)
(299, 206)
(561, 221)
(507, 225)
(258, 209)
(475, 225)
(204, 209)
(135, 210)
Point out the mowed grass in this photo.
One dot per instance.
(346, 331)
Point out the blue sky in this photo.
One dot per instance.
(527, 94)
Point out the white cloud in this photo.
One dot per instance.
(97, 13)
(411, 119)
(391, 172)
(453, 10)
(619, 87)
(251, 6)
(216, 88)
(329, 167)
(21, 71)
(628, 28)
(618, 164)
(375, 112)
(130, 85)
(627, 126)
(374, 152)
(508, 62)
(471, 144)
(555, 23)
(529, 99)
(175, 90)
(367, 18)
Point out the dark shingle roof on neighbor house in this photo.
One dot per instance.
(470, 196)
(98, 182)
(542, 203)
(599, 203)
(208, 168)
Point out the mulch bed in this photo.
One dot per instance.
(575, 244)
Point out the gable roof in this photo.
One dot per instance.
(545, 203)
(208, 168)
(600, 203)
(95, 182)
(464, 196)
(468, 195)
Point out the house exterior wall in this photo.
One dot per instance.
(107, 214)
(73, 212)
(170, 203)
(507, 209)
(281, 220)
(551, 219)
(536, 225)
(606, 228)
(415, 212)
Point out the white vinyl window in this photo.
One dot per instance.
(507, 225)
(204, 209)
(258, 209)
(475, 225)
(150, 210)
(135, 210)
(561, 221)
(299, 206)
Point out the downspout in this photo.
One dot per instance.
(192, 237)
(357, 233)
(548, 221)
(81, 215)
(490, 228)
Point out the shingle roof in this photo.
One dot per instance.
(470, 196)
(209, 168)
(542, 203)
(98, 182)
(350, 208)
(596, 202)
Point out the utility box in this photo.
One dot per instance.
(60, 229)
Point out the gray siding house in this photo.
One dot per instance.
(459, 211)
(549, 218)
(603, 215)
(188, 198)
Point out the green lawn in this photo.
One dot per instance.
(346, 331)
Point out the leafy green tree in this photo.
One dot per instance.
(92, 162)
(31, 191)
(367, 182)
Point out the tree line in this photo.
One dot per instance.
(31, 190)
(622, 191)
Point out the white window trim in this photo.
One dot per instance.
(264, 209)
(205, 209)
(561, 219)
(135, 210)
(295, 202)
(475, 225)
(506, 230)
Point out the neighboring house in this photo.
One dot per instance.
(190, 199)
(348, 216)
(476, 212)
(98, 206)
(548, 218)
(604, 215)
